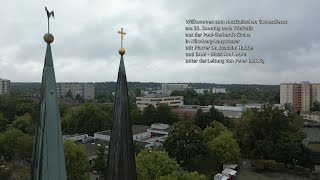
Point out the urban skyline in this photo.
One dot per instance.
(157, 30)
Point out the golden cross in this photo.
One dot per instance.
(122, 33)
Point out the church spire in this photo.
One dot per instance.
(48, 161)
(121, 158)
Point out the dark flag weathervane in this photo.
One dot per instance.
(49, 14)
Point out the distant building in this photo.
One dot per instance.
(138, 132)
(157, 99)
(168, 88)
(86, 90)
(311, 116)
(4, 86)
(219, 90)
(151, 137)
(202, 91)
(299, 95)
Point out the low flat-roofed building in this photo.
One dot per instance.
(159, 129)
(138, 132)
(311, 116)
(157, 99)
(220, 176)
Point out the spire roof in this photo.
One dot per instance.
(121, 158)
(48, 161)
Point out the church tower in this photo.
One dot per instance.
(121, 158)
(48, 161)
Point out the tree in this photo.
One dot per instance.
(316, 106)
(270, 134)
(137, 92)
(9, 143)
(204, 119)
(80, 98)
(69, 94)
(155, 164)
(138, 147)
(101, 160)
(24, 123)
(213, 131)
(87, 119)
(184, 142)
(224, 148)
(3, 123)
(148, 115)
(165, 115)
(25, 147)
(77, 162)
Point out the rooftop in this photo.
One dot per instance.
(157, 96)
(136, 129)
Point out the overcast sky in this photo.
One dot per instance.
(86, 40)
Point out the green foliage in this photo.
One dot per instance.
(155, 164)
(12, 106)
(101, 160)
(184, 142)
(162, 114)
(224, 148)
(213, 131)
(77, 162)
(270, 134)
(89, 119)
(315, 106)
(204, 119)
(15, 145)
(69, 94)
(137, 92)
(24, 123)
(315, 175)
(179, 175)
(138, 147)
(3, 123)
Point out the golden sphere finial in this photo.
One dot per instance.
(122, 51)
(48, 38)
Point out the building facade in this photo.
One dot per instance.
(157, 99)
(86, 90)
(168, 88)
(4, 86)
(300, 96)
(219, 90)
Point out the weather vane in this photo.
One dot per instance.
(121, 33)
(49, 14)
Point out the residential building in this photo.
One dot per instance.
(157, 99)
(202, 91)
(168, 88)
(219, 90)
(86, 90)
(4, 86)
(300, 96)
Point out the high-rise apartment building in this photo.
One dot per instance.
(86, 90)
(4, 86)
(300, 96)
(168, 88)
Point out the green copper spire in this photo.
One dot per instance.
(48, 161)
(121, 159)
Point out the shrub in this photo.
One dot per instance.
(315, 175)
